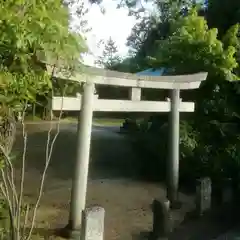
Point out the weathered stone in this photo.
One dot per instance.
(93, 223)
(161, 219)
(203, 195)
(227, 191)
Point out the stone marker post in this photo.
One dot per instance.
(161, 219)
(93, 223)
(203, 195)
(227, 191)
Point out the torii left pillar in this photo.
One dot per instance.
(80, 176)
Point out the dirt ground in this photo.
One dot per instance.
(112, 182)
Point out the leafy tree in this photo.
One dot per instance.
(203, 50)
(78, 12)
(223, 14)
(192, 47)
(130, 64)
(33, 33)
(155, 26)
(110, 55)
(187, 42)
(39, 31)
(232, 38)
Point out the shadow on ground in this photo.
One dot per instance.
(111, 155)
(207, 227)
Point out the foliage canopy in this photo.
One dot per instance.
(202, 49)
(31, 32)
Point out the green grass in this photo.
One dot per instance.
(31, 118)
(108, 121)
(97, 121)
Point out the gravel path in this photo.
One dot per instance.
(113, 182)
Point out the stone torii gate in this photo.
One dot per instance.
(89, 102)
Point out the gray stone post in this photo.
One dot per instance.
(227, 191)
(173, 161)
(203, 195)
(93, 224)
(80, 177)
(161, 219)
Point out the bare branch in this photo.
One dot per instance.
(10, 180)
(5, 150)
(8, 188)
(48, 158)
(7, 134)
(4, 190)
(8, 160)
(24, 134)
(25, 221)
(7, 198)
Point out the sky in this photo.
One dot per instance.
(113, 23)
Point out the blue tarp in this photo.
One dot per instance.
(152, 72)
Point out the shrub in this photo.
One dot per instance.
(152, 149)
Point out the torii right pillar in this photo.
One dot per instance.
(173, 161)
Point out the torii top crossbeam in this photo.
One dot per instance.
(114, 78)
